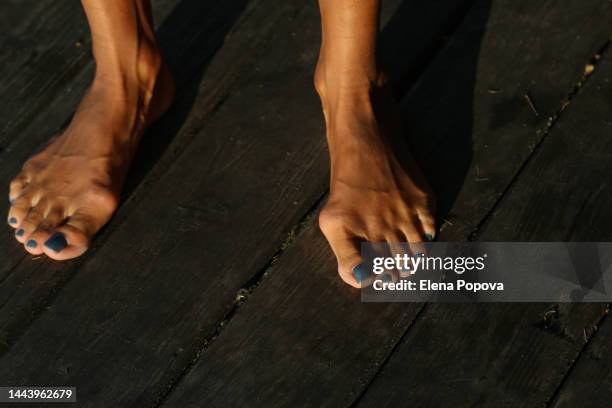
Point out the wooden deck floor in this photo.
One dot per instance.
(212, 285)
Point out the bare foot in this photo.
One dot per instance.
(373, 198)
(67, 192)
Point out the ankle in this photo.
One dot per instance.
(342, 86)
(131, 71)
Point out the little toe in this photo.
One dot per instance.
(17, 187)
(428, 224)
(19, 211)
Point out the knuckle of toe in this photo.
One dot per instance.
(16, 183)
(34, 216)
(104, 199)
(330, 221)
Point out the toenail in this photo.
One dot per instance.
(20, 232)
(12, 220)
(387, 278)
(359, 273)
(31, 244)
(57, 242)
(429, 237)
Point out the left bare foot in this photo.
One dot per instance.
(67, 192)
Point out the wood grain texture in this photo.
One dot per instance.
(302, 339)
(472, 127)
(589, 384)
(586, 148)
(504, 354)
(158, 296)
(44, 45)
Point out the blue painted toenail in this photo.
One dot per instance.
(359, 273)
(57, 242)
(429, 237)
(13, 220)
(387, 278)
(31, 244)
(20, 232)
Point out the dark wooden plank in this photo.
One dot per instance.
(504, 354)
(159, 297)
(311, 343)
(589, 384)
(45, 43)
(190, 36)
(302, 338)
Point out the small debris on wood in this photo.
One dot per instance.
(478, 178)
(445, 223)
(494, 90)
(564, 104)
(550, 316)
(588, 69)
(531, 104)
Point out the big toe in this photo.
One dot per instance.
(71, 239)
(350, 264)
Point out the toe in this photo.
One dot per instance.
(17, 187)
(43, 231)
(345, 246)
(29, 225)
(397, 247)
(350, 266)
(428, 224)
(412, 232)
(66, 242)
(70, 239)
(415, 237)
(19, 211)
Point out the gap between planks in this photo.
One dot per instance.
(401, 87)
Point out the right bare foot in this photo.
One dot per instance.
(373, 198)
(67, 192)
